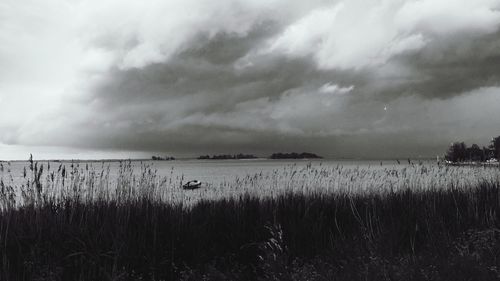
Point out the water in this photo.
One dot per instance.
(234, 178)
(210, 172)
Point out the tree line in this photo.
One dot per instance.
(159, 158)
(460, 152)
(294, 155)
(227, 156)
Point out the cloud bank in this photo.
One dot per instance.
(384, 78)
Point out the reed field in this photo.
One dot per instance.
(81, 221)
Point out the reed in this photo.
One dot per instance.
(85, 222)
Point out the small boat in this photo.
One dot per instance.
(194, 184)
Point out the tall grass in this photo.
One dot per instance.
(422, 222)
(43, 183)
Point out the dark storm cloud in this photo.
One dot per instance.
(450, 67)
(207, 98)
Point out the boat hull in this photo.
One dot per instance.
(192, 185)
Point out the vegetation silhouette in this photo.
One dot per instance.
(459, 152)
(227, 157)
(294, 155)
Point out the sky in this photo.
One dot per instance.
(343, 79)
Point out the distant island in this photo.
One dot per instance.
(227, 157)
(159, 158)
(294, 155)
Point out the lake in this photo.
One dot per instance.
(233, 178)
(210, 172)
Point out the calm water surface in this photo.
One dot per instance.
(212, 172)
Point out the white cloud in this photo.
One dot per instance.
(448, 17)
(143, 33)
(358, 34)
(330, 88)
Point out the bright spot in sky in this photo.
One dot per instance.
(385, 108)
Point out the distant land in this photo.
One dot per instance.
(159, 158)
(239, 156)
(227, 157)
(294, 155)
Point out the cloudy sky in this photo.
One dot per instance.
(341, 78)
